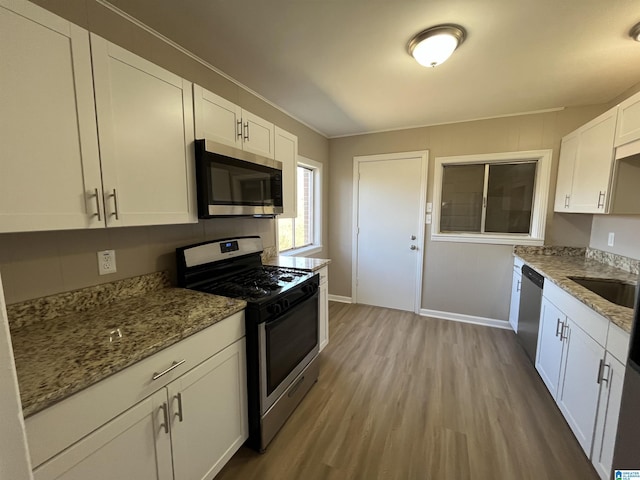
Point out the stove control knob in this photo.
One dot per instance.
(285, 303)
(274, 308)
(310, 288)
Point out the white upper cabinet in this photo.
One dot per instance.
(590, 149)
(222, 121)
(568, 152)
(286, 151)
(258, 135)
(628, 127)
(145, 127)
(217, 118)
(50, 170)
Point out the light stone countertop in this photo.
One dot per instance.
(57, 357)
(301, 263)
(557, 269)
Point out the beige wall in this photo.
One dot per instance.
(43, 263)
(481, 272)
(627, 234)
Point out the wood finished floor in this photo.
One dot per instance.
(407, 397)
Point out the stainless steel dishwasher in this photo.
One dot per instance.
(529, 311)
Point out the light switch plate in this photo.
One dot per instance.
(429, 207)
(107, 262)
(611, 240)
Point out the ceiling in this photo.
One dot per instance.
(341, 66)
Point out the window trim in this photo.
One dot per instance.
(316, 246)
(540, 198)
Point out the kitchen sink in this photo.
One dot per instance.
(615, 291)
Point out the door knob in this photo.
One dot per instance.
(413, 247)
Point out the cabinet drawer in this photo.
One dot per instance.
(594, 324)
(57, 427)
(618, 343)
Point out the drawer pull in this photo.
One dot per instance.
(157, 375)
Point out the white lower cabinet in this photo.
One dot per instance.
(608, 412)
(516, 286)
(208, 409)
(323, 309)
(187, 430)
(549, 351)
(579, 388)
(133, 445)
(580, 359)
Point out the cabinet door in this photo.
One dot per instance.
(628, 126)
(323, 315)
(133, 445)
(608, 413)
(216, 118)
(145, 126)
(516, 285)
(549, 352)
(579, 387)
(258, 135)
(566, 163)
(50, 170)
(209, 414)
(592, 170)
(286, 151)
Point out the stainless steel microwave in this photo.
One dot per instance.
(231, 182)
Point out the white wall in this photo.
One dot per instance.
(14, 455)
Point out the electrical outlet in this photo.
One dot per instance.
(107, 262)
(612, 237)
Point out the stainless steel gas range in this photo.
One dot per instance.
(281, 324)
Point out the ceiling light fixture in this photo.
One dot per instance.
(434, 45)
(635, 32)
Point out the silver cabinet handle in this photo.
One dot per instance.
(601, 367)
(175, 364)
(246, 130)
(114, 195)
(558, 329)
(566, 201)
(601, 195)
(519, 287)
(97, 214)
(239, 128)
(179, 413)
(165, 413)
(562, 335)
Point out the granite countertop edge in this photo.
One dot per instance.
(557, 269)
(62, 356)
(300, 263)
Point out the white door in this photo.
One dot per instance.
(389, 236)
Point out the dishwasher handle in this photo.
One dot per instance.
(532, 275)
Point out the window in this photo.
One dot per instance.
(495, 198)
(302, 234)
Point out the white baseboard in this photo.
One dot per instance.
(339, 298)
(461, 317)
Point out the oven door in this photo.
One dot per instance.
(286, 346)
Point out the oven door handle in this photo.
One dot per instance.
(282, 312)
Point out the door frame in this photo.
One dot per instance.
(420, 241)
